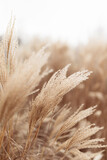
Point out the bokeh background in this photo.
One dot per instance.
(72, 21)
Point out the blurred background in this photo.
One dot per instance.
(71, 21)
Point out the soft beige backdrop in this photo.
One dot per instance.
(69, 20)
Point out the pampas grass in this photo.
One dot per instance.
(34, 123)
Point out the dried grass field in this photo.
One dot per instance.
(53, 100)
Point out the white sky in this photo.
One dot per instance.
(68, 20)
